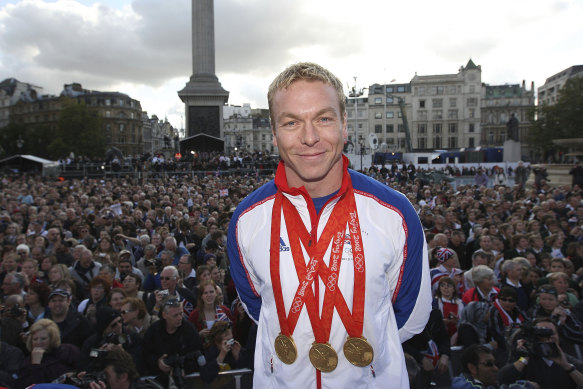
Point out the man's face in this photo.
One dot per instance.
(173, 317)
(166, 259)
(486, 370)
(184, 265)
(130, 284)
(309, 131)
(167, 280)
(116, 381)
(125, 267)
(486, 243)
(59, 305)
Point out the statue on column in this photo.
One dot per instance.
(512, 128)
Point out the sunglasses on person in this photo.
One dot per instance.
(167, 278)
(549, 291)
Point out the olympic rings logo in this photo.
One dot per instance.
(332, 281)
(297, 305)
(359, 265)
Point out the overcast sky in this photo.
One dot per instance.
(143, 47)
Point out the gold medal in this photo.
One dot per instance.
(323, 357)
(358, 351)
(285, 348)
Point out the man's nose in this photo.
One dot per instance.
(311, 136)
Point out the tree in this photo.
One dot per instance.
(79, 130)
(562, 120)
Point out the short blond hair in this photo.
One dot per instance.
(51, 328)
(307, 71)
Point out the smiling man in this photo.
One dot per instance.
(345, 279)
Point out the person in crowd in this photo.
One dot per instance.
(569, 327)
(99, 287)
(208, 311)
(73, 326)
(85, 269)
(547, 365)
(132, 284)
(115, 298)
(451, 306)
(513, 272)
(169, 280)
(135, 316)
(473, 327)
(224, 352)
(108, 271)
(187, 272)
(49, 358)
(36, 301)
(478, 258)
(479, 371)
(11, 359)
(483, 278)
(30, 270)
(14, 284)
(120, 370)
(172, 336)
(448, 261)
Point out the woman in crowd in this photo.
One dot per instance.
(135, 316)
(48, 358)
(208, 311)
(36, 301)
(473, 328)
(116, 297)
(562, 284)
(224, 352)
(30, 269)
(483, 277)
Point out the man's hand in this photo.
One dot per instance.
(443, 363)
(164, 368)
(427, 364)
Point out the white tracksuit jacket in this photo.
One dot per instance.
(398, 287)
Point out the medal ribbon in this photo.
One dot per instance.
(344, 212)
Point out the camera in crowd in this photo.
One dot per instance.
(15, 312)
(176, 364)
(536, 342)
(111, 338)
(154, 262)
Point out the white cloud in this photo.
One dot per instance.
(143, 47)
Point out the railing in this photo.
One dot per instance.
(193, 380)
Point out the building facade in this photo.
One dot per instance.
(13, 91)
(549, 92)
(247, 130)
(499, 104)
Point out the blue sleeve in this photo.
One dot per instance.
(245, 289)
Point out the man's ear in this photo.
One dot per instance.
(472, 368)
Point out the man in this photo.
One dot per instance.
(480, 371)
(552, 369)
(85, 269)
(513, 271)
(169, 278)
(175, 251)
(13, 284)
(170, 336)
(124, 266)
(377, 266)
(73, 326)
(120, 371)
(185, 267)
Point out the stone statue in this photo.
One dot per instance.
(512, 128)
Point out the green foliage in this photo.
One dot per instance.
(79, 130)
(562, 120)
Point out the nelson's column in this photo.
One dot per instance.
(203, 95)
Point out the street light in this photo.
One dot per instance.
(354, 92)
(19, 143)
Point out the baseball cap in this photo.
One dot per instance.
(59, 292)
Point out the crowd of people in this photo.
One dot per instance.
(135, 270)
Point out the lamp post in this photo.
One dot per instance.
(19, 144)
(355, 93)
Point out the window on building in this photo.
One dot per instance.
(437, 115)
(452, 127)
(437, 128)
(378, 115)
(390, 141)
(472, 113)
(349, 114)
(107, 113)
(452, 114)
(437, 103)
(121, 127)
(491, 137)
(472, 127)
(390, 114)
(107, 102)
(421, 91)
(437, 142)
(389, 100)
(378, 100)
(421, 128)
(400, 114)
(440, 90)
(422, 115)
(360, 114)
(452, 142)
(400, 89)
(421, 103)
(121, 102)
(389, 89)
(378, 129)
(402, 143)
(451, 90)
(390, 128)
(453, 102)
(400, 128)
(472, 101)
(471, 142)
(472, 89)
(359, 125)
(421, 143)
